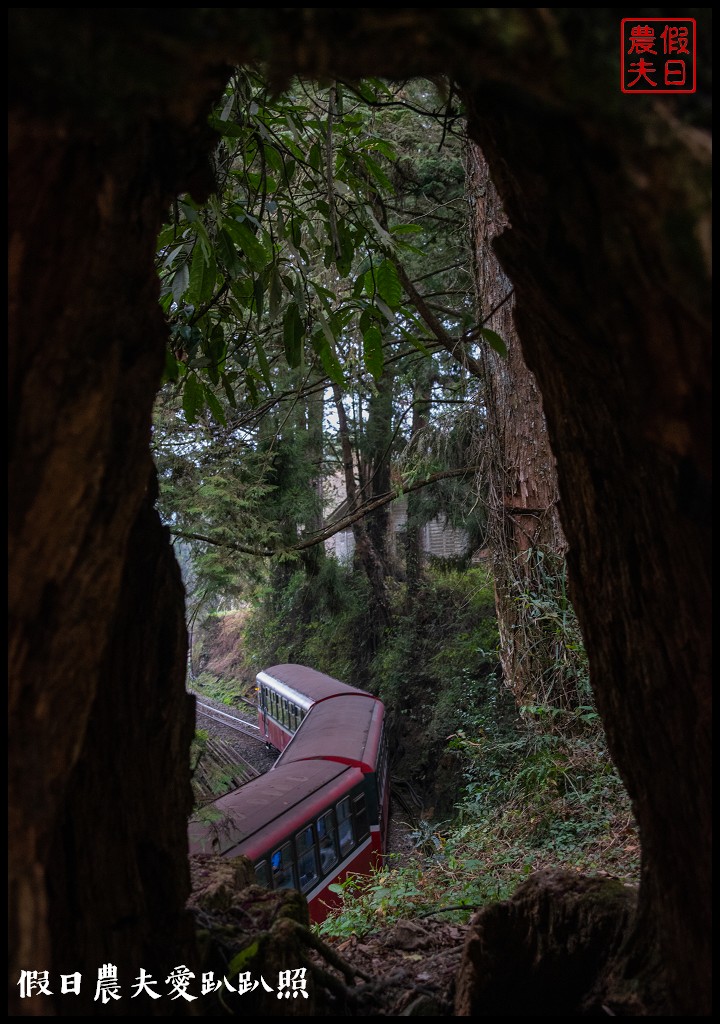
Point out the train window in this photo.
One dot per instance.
(262, 874)
(283, 868)
(345, 829)
(306, 857)
(362, 824)
(327, 837)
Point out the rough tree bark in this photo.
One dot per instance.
(98, 765)
(608, 197)
(518, 468)
(612, 309)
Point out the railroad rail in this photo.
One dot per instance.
(230, 720)
(220, 766)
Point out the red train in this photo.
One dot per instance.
(322, 810)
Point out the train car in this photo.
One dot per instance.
(285, 695)
(322, 811)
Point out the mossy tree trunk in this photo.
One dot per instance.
(517, 467)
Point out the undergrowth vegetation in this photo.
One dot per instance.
(526, 805)
(485, 792)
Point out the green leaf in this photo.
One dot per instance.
(373, 351)
(413, 336)
(494, 341)
(189, 212)
(264, 364)
(228, 129)
(227, 109)
(202, 279)
(227, 385)
(193, 397)
(204, 240)
(385, 310)
(273, 159)
(296, 231)
(172, 367)
(250, 245)
(377, 172)
(216, 344)
(314, 156)
(369, 316)
(405, 229)
(347, 249)
(259, 296)
(370, 282)
(250, 385)
(293, 331)
(388, 284)
(227, 251)
(214, 406)
(180, 282)
(173, 254)
(243, 292)
(326, 352)
(323, 293)
(383, 147)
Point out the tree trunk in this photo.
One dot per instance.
(100, 724)
(518, 468)
(413, 539)
(315, 405)
(118, 898)
(615, 328)
(365, 550)
(375, 462)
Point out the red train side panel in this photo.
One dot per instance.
(304, 826)
(323, 810)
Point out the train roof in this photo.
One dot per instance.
(306, 681)
(264, 811)
(345, 728)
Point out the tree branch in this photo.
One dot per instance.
(333, 528)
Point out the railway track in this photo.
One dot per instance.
(231, 753)
(222, 761)
(232, 721)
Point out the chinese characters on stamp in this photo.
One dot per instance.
(657, 55)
